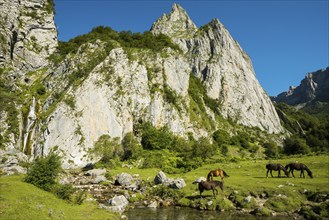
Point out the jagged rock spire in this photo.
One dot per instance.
(176, 24)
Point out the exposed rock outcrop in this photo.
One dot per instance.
(28, 33)
(226, 70)
(314, 87)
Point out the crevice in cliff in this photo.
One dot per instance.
(13, 41)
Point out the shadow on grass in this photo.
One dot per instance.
(198, 197)
(264, 177)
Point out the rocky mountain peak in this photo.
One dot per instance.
(314, 86)
(176, 24)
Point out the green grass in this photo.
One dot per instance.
(249, 178)
(20, 200)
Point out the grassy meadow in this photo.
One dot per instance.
(19, 200)
(249, 178)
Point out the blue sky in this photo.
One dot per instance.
(285, 39)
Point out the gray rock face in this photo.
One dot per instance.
(226, 70)
(28, 33)
(125, 88)
(315, 86)
(177, 23)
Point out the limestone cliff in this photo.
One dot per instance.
(109, 88)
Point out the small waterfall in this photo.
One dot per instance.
(28, 131)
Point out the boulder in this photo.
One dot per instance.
(247, 199)
(124, 179)
(153, 204)
(99, 179)
(15, 169)
(118, 203)
(199, 180)
(95, 172)
(160, 178)
(178, 183)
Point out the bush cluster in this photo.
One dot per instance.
(43, 172)
(309, 133)
(126, 39)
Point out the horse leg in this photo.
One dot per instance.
(302, 173)
(271, 173)
(279, 173)
(267, 173)
(201, 193)
(214, 192)
(292, 172)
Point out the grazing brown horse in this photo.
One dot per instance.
(299, 166)
(210, 185)
(276, 167)
(218, 172)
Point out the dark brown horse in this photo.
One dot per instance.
(218, 172)
(276, 167)
(299, 166)
(210, 185)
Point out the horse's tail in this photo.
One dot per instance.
(287, 166)
(209, 175)
(225, 174)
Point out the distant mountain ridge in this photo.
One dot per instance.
(313, 88)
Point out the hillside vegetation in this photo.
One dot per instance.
(310, 133)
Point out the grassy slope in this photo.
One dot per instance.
(19, 200)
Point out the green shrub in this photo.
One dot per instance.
(126, 39)
(164, 192)
(295, 145)
(64, 191)
(221, 137)
(107, 148)
(80, 197)
(271, 149)
(43, 171)
(202, 148)
(131, 148)
(154, 139)
(281, 204)
(184, 202)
